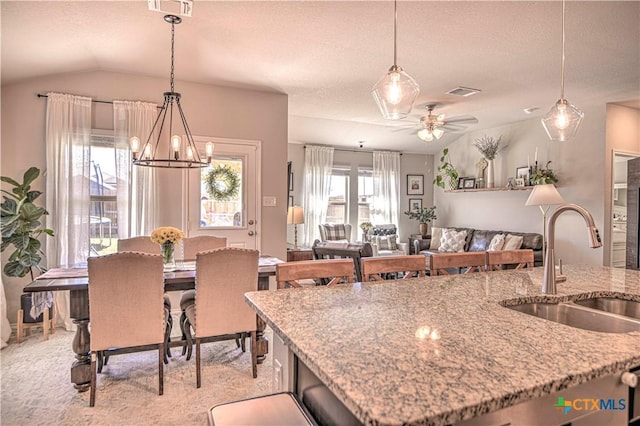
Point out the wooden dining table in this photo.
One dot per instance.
(76, 281)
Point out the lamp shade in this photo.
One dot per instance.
(562, 121)
(543, 195)
(295, 215)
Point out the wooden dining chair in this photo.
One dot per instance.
(519, 259)
(144, 244)
(194, 245)
(219, 311)
(334, 270)
(373, 268)
(126, 306)
(466, 261)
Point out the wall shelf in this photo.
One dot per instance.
(517, 188)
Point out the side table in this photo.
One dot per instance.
(301, 253)
(417, 240)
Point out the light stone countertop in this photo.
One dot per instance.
(439, 350)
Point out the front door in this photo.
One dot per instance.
(222, 199)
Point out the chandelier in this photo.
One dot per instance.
(396, 91)
(177, 154)
(563, 119)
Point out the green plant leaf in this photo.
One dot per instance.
(30, 175)
(9, 194)
(9, 227)
(48, 231)
(9, 180)
(32, 195)
(30, 212)
(15, 269)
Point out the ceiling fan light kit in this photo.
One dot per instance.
(178, 155)
(563, 119)
(396, 91)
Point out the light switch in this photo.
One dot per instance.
(269, 201)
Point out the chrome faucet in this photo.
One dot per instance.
(549, 279)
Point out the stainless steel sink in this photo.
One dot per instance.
(628, 308)
(579, 317)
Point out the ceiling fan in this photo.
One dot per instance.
(434, 126)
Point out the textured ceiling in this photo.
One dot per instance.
(327, 55)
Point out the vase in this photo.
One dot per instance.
(424, 229)
(490, 174)
(453, 184)
(167, 254)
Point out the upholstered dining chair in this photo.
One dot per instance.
(377, 268)
(334, 270)
(500, 259)
(144, 244)
(219, 311)
(468, 261)
(194, 245)
(126, 306)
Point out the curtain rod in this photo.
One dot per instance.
(368, 151)
(97, 101)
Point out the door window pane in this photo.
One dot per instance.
(365, 195)
(338, 194)
(103, 211)
(216, 212)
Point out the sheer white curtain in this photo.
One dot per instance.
(318, 162)
(68, 140)
(5, 326)
(386, 187)
(137, 200)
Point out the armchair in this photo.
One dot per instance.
(333, 232)
(384, 241)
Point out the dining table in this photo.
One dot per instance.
(178, 278)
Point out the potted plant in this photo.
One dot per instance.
(365, 226)
(446, 169)
(543, 176)
(21, 226)
(423, 215)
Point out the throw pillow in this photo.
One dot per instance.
(335, 232)
(497, 242)
(386, 243)
(452, 241)
(436, 234)
(512, 242)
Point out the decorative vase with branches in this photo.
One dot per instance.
(424, 216)
(489, 147)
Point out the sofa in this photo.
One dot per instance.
(480, 240)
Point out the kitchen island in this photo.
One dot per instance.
(440, 350)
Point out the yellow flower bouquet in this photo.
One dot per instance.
(167, 237)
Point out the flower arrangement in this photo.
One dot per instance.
(423, 214)
(543, 176)
(167, 237)
(166, 234)
(489, 147)
(365, 226)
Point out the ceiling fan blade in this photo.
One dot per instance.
(462, 119)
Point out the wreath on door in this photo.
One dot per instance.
(222, 183)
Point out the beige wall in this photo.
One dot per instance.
(211, 110)
(579, 164)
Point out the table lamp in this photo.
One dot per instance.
(295, 216)
(544, 196)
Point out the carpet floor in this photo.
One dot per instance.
(36, 387)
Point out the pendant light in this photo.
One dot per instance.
(396, 91)
(179, 154)
(563, 119)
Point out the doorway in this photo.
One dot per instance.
(212, 206)
(619, 205)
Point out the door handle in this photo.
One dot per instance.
(251, 222)
(251, 233)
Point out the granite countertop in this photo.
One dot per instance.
(443, 349)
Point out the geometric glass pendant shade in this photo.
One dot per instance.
(396, 91)
(563, 119)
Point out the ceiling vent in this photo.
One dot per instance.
(463, 91)
(175, 7)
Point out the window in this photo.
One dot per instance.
(365, 194)
(221, 213)
(337, 211)
(103, 223)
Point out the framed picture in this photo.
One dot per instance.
(289, 176)
(461, 182)
(519, 182)
(415, 204)
(415, 184)
(469, 183)
(522, 173)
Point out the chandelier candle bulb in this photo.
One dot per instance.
(147, 151)
(189, 153)
(209, 151)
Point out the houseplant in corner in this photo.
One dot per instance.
(446, 169)
(21, 226)
(423, 215)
